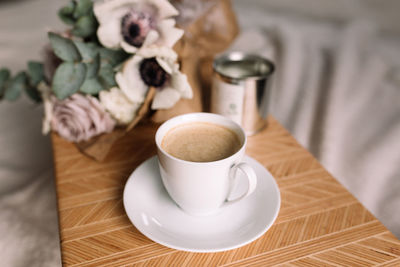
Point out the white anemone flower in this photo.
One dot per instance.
(131, 24)
(157, 67)
(118, 105)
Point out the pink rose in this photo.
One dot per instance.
(79, 118)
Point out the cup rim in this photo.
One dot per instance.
(158, 139)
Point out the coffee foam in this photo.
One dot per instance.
(201, 142)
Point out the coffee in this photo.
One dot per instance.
(200, 142)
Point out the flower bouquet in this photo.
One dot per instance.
(121, 61)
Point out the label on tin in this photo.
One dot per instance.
(227, 99)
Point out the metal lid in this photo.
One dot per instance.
(239, 66)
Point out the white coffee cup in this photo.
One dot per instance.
(202, 188)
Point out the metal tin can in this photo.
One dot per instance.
(240, 89)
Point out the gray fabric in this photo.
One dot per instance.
(337, 89)
(28, 215)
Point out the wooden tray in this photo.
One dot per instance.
(320, 223)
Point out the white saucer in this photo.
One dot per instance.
(156, 215)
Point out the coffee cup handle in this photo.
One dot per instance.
(251, 179)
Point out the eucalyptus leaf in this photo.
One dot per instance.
(35, 72)
(85, 26)
(90, 57)
(67, 19)
(66, 13)
(68, 78)
(106, 76)
(91, 86)
(87, 50)
(83, 7)
(68, 9)
(64, 48)
(113, 57)
(16, 86)
(4, 76)
(33, 93)
(92, 68)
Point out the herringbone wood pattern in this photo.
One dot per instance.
(320, 223)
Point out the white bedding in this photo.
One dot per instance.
(337, 89)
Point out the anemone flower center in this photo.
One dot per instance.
(135, 26)
(152, 73)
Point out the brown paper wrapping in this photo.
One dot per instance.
(212, 33)
(99, 146)
(208, 35)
